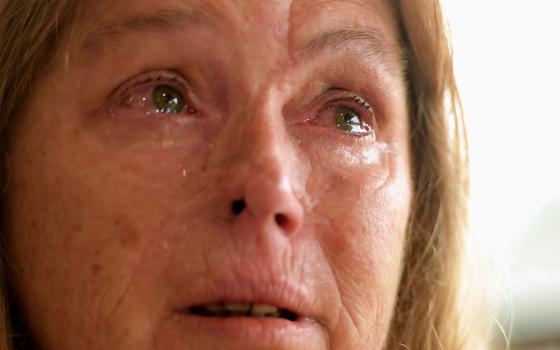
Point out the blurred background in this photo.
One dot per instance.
(507, 57)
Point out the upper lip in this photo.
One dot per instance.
(280, 292)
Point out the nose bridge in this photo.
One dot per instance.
(257, 139)
(257, 166)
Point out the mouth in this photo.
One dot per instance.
(228, 309)
(245, 323)
(250, 313)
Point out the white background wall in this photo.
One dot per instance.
(507, 56)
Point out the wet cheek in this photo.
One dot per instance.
(361, 222)
(345, 172)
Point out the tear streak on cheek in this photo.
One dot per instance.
(361, 172)
(370, 156)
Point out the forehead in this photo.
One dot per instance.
(242, 10)
(292, 22)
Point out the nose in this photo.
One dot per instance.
(259, 176)
(265, 193)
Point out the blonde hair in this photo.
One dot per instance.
(431, 307)
(437, 306)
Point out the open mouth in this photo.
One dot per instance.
(242, 309)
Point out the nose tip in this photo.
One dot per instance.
(270, 202)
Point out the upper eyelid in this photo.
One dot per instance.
(365, 104)
(335, 94)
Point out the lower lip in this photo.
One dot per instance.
(247, 330)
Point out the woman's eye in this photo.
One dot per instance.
(167, 100)
(157, 98)
(345, 119)
(348, 120)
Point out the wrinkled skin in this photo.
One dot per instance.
(120, 217)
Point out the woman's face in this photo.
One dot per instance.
(214, 174)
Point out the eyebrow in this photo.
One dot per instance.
(163, 20)
(370, 43)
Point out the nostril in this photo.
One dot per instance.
(238, 206)
(282, 220)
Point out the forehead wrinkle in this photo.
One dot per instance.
(162, 20)
(369, 42)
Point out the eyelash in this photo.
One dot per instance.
(364, 103)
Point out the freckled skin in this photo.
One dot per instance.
(114, 216)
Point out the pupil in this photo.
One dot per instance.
(347, 119)
(167, 100)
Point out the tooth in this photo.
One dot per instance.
(238, 309)
(214, 307)
(264, 310)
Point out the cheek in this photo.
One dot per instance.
(365, 227)
(363, 214)
(95, 225)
